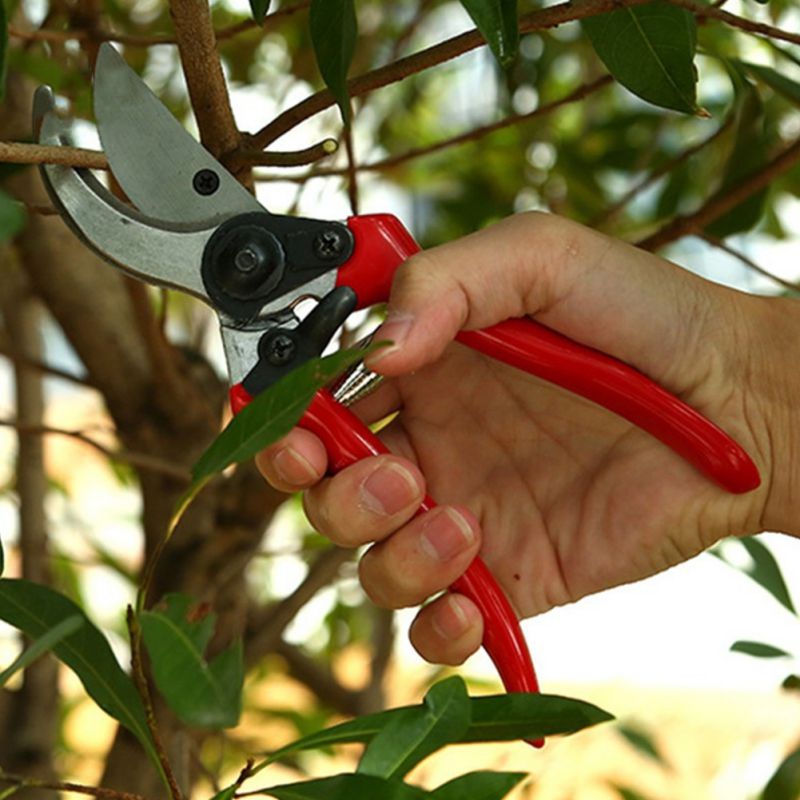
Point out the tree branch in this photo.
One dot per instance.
(143, 690)
(202, 68)
(648, 180)
(58, 786)
(134, 40)
(721, 203)
(268, 626)
(32, 724)
(25, 153)
(759, 28)
(721, 245)
(320, 680)
(425, 59)
(18, 357)
(142, 461)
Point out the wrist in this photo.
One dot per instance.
(775, 381)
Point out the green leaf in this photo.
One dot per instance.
(791, 683)
(747, 157)
(642, 742)
(259, 9)
(44, 643)
(347, 787)
(270, 415)
(763, 569)
(650, 50)
(202, 694)
(478, 786)
(333, 33)
(495, 718)
(758, 649)
(412, 736)
(227, 793)
(36, 610)
(497, 22)
(776, 81)
(785, 783)
(12, 217)
(626, 793)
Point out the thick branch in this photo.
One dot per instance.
(197, 45)
(32, 725)
(720, 204)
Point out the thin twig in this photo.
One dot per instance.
(745, 259)
(47, 369)
(25, 153)
(268, 627)
(134, 40)
(758, 28)
(609, 213)
(143, 690)
(140, 460)
(60, 786)
(454, 141)
(292, 158)
(447, 50)
(723, 202)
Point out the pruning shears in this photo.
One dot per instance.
(196, 229)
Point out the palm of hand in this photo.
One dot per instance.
(571, 499)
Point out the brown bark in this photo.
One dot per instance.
(30, 725)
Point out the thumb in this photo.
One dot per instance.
(594, 289)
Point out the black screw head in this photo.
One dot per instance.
(205, 182)
(329, 244)
(280, 349)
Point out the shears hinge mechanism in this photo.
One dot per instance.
(257, 257)
(282, 349)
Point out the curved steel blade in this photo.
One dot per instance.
(164, 254)
(152, 156)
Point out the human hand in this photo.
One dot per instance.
(560, 497)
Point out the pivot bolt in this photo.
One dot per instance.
(329, 244)
(205, 182)
(247, 259)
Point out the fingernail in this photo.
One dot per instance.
(446, 535)
(389, 489)
(395, 329)
(293, 468)
(450, 620)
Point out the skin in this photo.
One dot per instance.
(560, 497)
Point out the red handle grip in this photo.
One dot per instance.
(382, 244)
(347, 440)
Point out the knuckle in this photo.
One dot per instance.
(385, 586)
